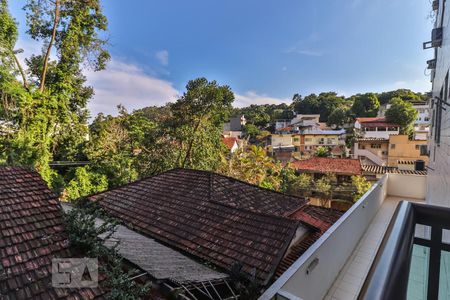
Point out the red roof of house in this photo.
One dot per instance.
(31, 234)
(375, 122)
(321, 218)
(229, 142)
(213, 217)
(345, 166)
(371, 120)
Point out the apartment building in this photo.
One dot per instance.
(371, 151)
(376, 127)
(394, 241)
(403, 149)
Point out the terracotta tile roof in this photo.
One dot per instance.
(375, 122)
(345, 166)
(31, 234)
(213, 217)
(373, 169)
(322, 219)
(372, 139)
(229, 142)
(371, 120)
(337, 150)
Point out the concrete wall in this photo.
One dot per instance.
(408, 186)
(439, 172)
(332, 250)
(404, 149)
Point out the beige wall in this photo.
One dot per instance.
(371, 146)
(404, 149)
(281, 140)
(408, 186)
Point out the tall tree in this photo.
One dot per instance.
(402, 113)
(365, 105)
(197, 123)
(48, 109)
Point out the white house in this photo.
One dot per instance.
(376, 127)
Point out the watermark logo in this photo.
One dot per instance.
(75, 272)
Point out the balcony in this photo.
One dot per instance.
(337, 265)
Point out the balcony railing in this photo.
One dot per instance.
(320, 268)
(389, 275)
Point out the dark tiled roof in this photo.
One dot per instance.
(197, 212)
(319, 217)
(31, 234)
(393, 170)
(345, 166)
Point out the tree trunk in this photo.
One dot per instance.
(22, 73)
(50, 45)
(191, 143)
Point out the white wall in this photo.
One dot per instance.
(332, 249)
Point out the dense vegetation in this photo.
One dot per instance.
(44, 115)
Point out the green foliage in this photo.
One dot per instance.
(251, 131)
(84, 183)
(197, 123)
(361, 185)
(324, 187)
(323, 104)
(252, 165)
(365, 105)
(404, 94)
(301, 185)
(339, 117)
(402, 113)
(322, 151)
(86, 238)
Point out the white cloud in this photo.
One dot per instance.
(127, 84)
(163, 57)
(252, 97)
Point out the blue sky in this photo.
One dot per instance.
(265, 50)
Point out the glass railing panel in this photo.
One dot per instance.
(418, 274)
(444, 276)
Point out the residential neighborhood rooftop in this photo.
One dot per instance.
(346, 166)
(31, 234)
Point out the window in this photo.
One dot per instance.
(362, 147)
(392, 146)
(423, 150)
(426, 119)
(438, 122)
(296, 140)
(384, 153)
(375, 146)
(308, 139)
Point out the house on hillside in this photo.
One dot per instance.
(302, 139)
(231, 143)
(371, 151)
(402, 149)
(376, 127)
(234, 127)
(343, 168)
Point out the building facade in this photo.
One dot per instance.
(439, 144)
(375, 128)
(401, 148)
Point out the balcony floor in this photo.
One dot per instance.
(351, 278)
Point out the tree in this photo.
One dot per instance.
(323, 104)
(324, 188)
(84, 183)
(365, 105)
(339, 117)
(361, 185)
(322, 151)
(197, 123)
(48, 109)
(302, 184)
(252, 165)
(404, 94)
(403, 114)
